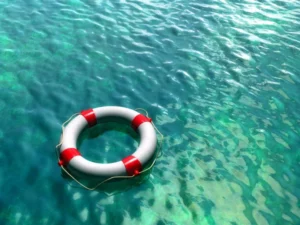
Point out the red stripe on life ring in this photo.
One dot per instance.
(66, 156)
(138, 120)
(133, 165)
(90, 116)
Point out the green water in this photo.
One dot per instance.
(220, 79)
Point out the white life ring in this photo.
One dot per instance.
(131, 165)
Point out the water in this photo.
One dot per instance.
(219, 78)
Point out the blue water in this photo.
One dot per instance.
(220, 79)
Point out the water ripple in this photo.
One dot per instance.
(219, 78)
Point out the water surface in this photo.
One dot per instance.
(220, 79)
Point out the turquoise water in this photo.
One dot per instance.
(219, 78)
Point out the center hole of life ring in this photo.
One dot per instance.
(107, 142)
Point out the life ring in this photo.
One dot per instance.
(132, 165)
